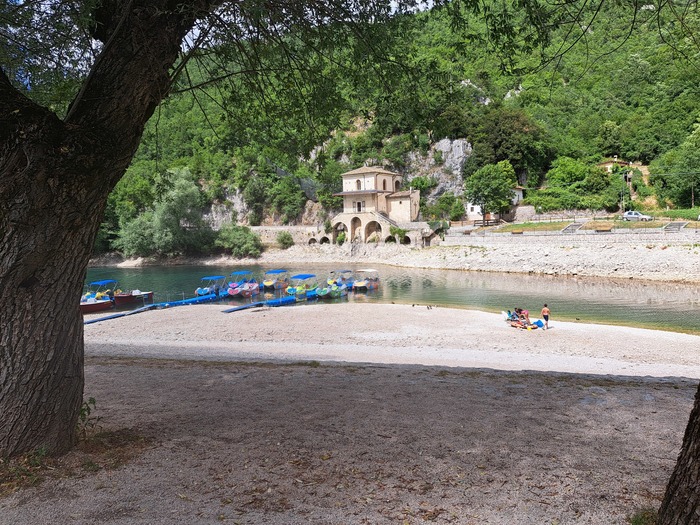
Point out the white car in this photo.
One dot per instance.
(636, 216)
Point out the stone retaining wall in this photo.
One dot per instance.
(687, 236)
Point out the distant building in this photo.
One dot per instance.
(373, 201)
(608, 164)
(628, 168)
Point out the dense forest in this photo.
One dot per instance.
(623, 90)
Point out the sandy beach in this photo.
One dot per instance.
(362, 413)
(385, 414)
(392, 334)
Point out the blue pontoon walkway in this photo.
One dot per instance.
(283, 301)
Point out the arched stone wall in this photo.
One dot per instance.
(338, 228)
(373, 228)
(324, 240)
(356, 229)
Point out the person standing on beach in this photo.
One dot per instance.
(545, 316)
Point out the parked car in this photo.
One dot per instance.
(636, 216)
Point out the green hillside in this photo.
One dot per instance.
(281, 137)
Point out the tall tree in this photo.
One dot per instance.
(114, 61)
(492, 187)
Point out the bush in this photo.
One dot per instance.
(396, 149)
(423, 184)
(688, 214)
(174, 226)
(397, 234)
(341, 239)
(241, 240)
(136, 236)
(643, 191)
(285, 240)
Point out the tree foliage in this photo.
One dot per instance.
(447, 206)
(241, 241)
(491, 187)
(175, 225)
(676, 174)
(576, 185)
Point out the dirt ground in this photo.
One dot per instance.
(302, 439)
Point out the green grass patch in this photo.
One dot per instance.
(690, 214)
(644, 517)
(622, 225)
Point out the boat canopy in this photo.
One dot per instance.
(368, 270)
(303, 276)
(240, 272)
(212, 278)
(272, 272)
(103, 282)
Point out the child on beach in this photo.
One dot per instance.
(545, 316)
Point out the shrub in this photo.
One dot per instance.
(340, 239)
(688, 214)
(396, 149)
(397, 234)
(175, 225)
(241, 240)
(423, 184)
(285, 240)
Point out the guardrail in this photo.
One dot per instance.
(655, 235)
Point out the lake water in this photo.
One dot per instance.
(674, 307)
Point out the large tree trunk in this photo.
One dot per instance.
(43, 257)
(55, 177)
(681, 505)
(53, 200)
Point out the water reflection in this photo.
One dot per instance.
(668, 306)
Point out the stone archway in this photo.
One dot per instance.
(324, 240)
(373, 232)
(312, 241)
(340, 231)
(356, 229)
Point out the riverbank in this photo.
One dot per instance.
(623, 257)
(389, 334)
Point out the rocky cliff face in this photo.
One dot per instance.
(224, 213)
(444, 162)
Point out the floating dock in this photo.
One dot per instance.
(282, 301)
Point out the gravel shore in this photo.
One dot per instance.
(626, 256)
